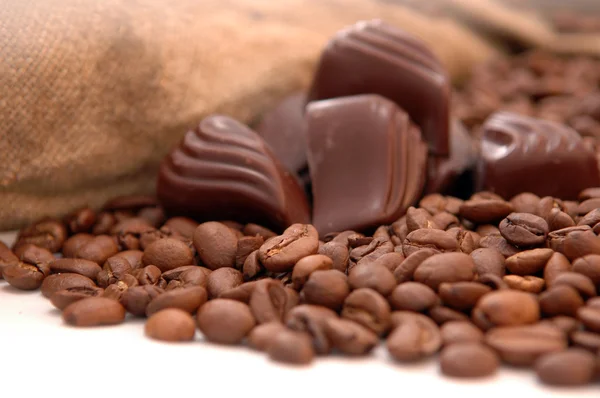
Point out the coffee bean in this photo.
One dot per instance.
(114, 268)
(528, 283)
(81, 220)
(557, 219)
(98, 249)
(419, 218)
(405, 270)
(63, 298)
(242, 292)
(30, 271)
(468, 360)
(590, 219)
(565, 323)
(79, 266)
(522, 345)
(441, 315)
(104, 223)
(399, 230)
(528, 262)
(168, 254)
(593, 302)
(291, 347)
(546, 204)
(7, 257)
(224, 321)
(493, 281)
(488, 261)
(368, 308)
(524, 229)
(254, 229)
(306, 266)
(433, 203)
(556, 265)
(356, 240)
(311, 319)
(154, 215)
(498, 243)
(56, 282)
(252, 267)
(587, 340)
(136, 299)
(376, 277)
(182, 226)
(560, 300)
(327, 288)
(525, 202)
(115, 291)
(590, 317)
(413, 338)
(506, 308)
(485, 210)
(269, 301)
(588, 205)
(72, 245)
(462, 296)
(245, 246)
(48, 234)
(262, 335)
(487, 229)
(467, 241)
(149, 275)
(134, 257)
(368, 254)
(445, 220)
(589, 266)
(221, 280)
(412, 296)
(94, 311)
(171, 324)
(338, 253)
(436, 239)
(589, 193)
(573, 367)
(445, 267)
(579, 282)
(188, 299)
(390, 260)
(281, 253)
(574, 242)
(350, 337)
(460, 332)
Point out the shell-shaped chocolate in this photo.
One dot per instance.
(374, 57)
(223, 170)
(524, 154)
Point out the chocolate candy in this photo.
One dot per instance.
(367, 162)
(224, 170)
(521, 153)
(373, 57)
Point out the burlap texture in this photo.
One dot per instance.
(94, 93)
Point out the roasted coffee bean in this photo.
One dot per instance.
(291, 347)
(115, 291)
(56, 282)
(376, 277)
(188, 299)
(573, 367)
(589, 266)
(523, 345)
(94, 311)
(82, 220)
(194, 276)
(493, 281)
(154, 215)
(587, 340)
(591, 219)
(254, 229)
(281, 253)
(528, 262)
(506, 308)
(172, 325)
(419, 218)
(467, 241)
(306, 266)
(269, 301)
(445, 267)
(252, 267)
(221, 280)
(560, 300)
(114, 268)
(481, 211)
(580, 282)
(574, 242)
(7, 257)
(588, 205)
(338, 253)
(368, 308)
(412, 296)
(445, 220)
(48, 234)
(524, 229)
(79, 266)
(589, 193)
(134, 257)
(460, 332)
(556, 265)
(498, 243)
(436, 239)
(262, 335)
(441, 315)
(224, 321)
(136, 299)
(488, 261)
(462, 296)
(129, 231)
(528, 283)
(565, 323)
(590, 317)
(245, 246)
(468, 360)
(168, 254)
(405, 270)
(104, 223)
(390, 260)
(367, 254)
(399, 231)
(311, 319)
(98, 249)
(487, 229)
(382, 233)
(30, 271)
(242, 292)
(327, 288)
(216, 244)
(433, 203)
(557, 219)
(149, 275)
(546, 204)
(182, 226)
(413, 338)
(350, 337)
(63, 298)
(356, 240)
(525, 202)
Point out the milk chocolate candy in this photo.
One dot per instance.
(524, 154)
(377, 58)
(223, 170)
(367, 162)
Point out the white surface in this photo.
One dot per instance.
(41, 355)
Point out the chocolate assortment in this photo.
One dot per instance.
(472, 235)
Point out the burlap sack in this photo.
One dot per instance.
(95, 92)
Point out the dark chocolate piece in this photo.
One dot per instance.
(525, 154)
(366, 160)
(223, 170)
(373, 57)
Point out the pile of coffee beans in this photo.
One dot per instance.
(480, 282)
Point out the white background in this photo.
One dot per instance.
(40, 355)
